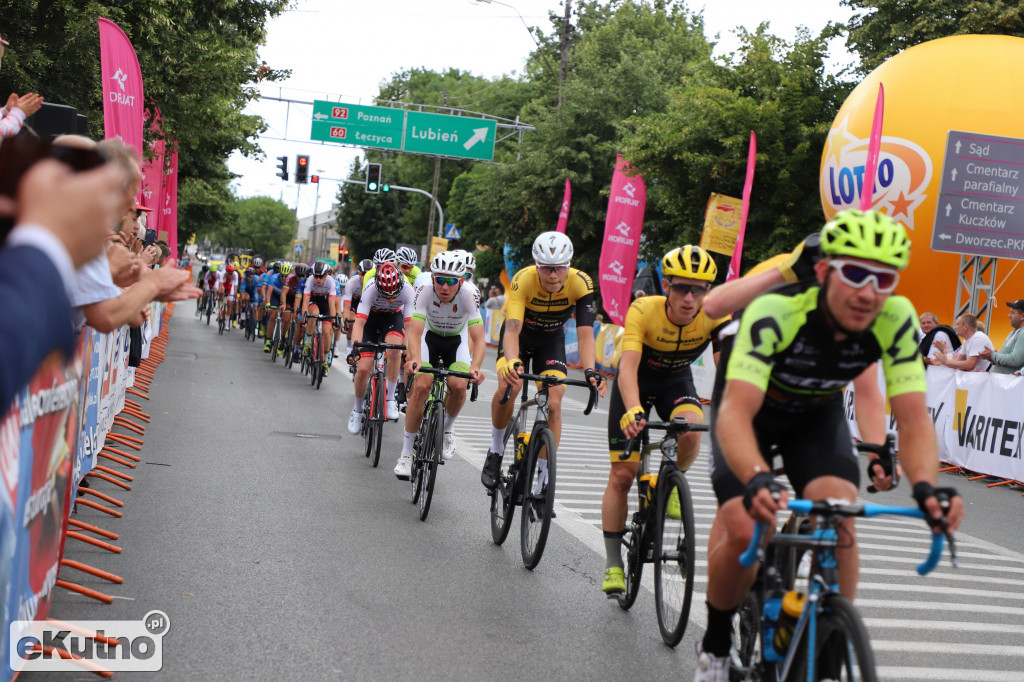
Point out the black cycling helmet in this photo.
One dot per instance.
(250, 271)
(320, 268)
(277, 267)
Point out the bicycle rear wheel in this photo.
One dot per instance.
(538, 499)
(433, 448)
(675, 545)
(632, 544)
(314, 361)
(748, 664)
(843, 647)
(503, 499)
(377, 415)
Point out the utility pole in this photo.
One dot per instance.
(564, 48)
(437, 176)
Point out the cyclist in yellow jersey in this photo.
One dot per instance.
(541, 299)
(663, 335)
(795, 349)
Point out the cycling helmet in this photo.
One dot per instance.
(389, 280)
(342, 280)
(552, 248)
(275, 267)
(448, 263)
(249, 272)
(405, 256)
(383, 256)
(320, 268)
(286, 268)
(257, 262)
(213, 268)
(866, 234)
(301, 269)
(230, 268)
(365, 265)
(689, 261)
(470, 260)
(205, 268)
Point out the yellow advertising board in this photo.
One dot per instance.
(971, 83)
(334, 252)
(722, 219)
(437, 245)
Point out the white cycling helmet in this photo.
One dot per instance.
(448, 263)
(405, 256)
(342, 280)
(383, 256)
(552, 248)
(469, 258)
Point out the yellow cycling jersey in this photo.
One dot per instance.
(664, 346)
(546, 313)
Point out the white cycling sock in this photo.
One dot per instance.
(391, 389)
(409, 440)
(449, 420)
(358, 407)
(497, 439)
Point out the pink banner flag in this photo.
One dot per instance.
(563, 215)
(153, 187)
(169, 210)
(737, 252)
(121, 78)
(874, 145)
(622, 227)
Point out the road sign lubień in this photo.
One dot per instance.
(356, 124)
(442, 135)
(980, 207)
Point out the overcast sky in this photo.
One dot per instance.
(342, 50)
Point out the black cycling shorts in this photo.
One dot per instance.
(322, 303)
(379, 325)
(546, 352)
(670, 396)
(442, 351)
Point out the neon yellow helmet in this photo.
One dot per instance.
(866, 234)
(286, 268)
(689, 261)
(213, 268)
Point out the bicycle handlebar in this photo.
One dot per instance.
(807, 507)
(885, 455)
(374, 346)
(556, 381)
(440, 371)
(674, 428)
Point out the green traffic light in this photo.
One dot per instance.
(385, 188)
(372, 186)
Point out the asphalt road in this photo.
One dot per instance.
(278, 552)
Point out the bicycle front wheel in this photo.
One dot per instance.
(367, 430)
(675, 545)
(432, 450)
(843, 647)
(538, 497)
(377, 415)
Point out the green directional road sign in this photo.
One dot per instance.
(467, 138)
(357, 124)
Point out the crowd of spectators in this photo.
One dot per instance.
(74, 256)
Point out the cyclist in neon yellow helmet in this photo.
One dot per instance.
(795, 349)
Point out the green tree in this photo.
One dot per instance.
(368, 221)
(262, 225)
(883, 28)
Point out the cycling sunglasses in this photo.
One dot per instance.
(552, 269)
(857, 275)
(450, 281)
(684, 289)
(468, 275)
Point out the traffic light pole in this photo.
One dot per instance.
(400, 188)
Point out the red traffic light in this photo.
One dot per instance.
(303, 160)
(314, 178)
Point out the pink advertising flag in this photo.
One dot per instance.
(169, 209)
(737, 252)
(563, 215)
(121, 83)
(153, 187)
(874, 145)
(622, 227)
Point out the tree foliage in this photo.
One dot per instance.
(262, 225)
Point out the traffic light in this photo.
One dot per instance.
(301, 169)
(373, 178)
(385, 187)
(282, 166)
(314, 179)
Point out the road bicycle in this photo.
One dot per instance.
(210, 301)
(519, 481)
(816, 633)
(249, 321)
(374, 397)
(276, 342)
(429, 445)
(289, 342)
(222, 315)
(661, 532)
(315, 363)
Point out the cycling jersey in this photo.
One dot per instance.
(664, 346)
(372, 302)
(544, 313)
(786, 347)
(353, 291)
(248, 286)
(292, 282)
(326, 288)
(446, 319)
(228, 284)
(210, 281)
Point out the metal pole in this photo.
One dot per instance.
(316, 206)
(437, 175)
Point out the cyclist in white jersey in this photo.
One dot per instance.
(446, 331)
(319, 298)
(384, 310)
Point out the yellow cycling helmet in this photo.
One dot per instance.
(689, 261)
(867, 234)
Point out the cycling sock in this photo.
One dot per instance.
(409, 440)
(497, 439)
(613, 549)
(542, 470)
(448, 421)
(718, 637)
(358, 407)
(391, 389)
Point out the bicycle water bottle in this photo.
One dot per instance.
(792, 606)
(772, 609)
(643, 489)
(522, 441)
